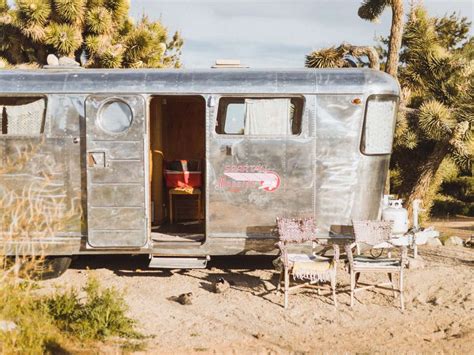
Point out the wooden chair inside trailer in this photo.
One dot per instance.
(373, 233)
(302, 266)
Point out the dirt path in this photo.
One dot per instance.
(248, 318)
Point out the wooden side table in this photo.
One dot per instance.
(178, 191)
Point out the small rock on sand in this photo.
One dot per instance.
(453, 330)
(440, 334)
(434, 242)
(437, 301)
(453, 241)
(185, 298)
(221, 285)
(421, 299)
(417, 263)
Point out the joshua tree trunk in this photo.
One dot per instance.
(395, 41)
(427, 173)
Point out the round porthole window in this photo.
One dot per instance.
(115, 117)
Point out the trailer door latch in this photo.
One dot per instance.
(96, 159)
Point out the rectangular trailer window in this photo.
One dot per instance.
(379, 126)
(22, 116)
(259, 116)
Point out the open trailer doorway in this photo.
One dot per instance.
(177, 163)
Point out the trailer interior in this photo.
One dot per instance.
(177, 163)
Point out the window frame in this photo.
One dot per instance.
(100, 111)
(44, 118)
(299, 109)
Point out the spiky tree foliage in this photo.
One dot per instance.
(99, 30)
(71, 11)
(99, 21)
(452, 30)
(326, 58)
(438, 82)
(64, 38)
(371, 10)
(341, 57)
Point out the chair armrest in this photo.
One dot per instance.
(335, 247)
(403, 253)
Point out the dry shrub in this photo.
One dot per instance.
(102, 313)
(35, 333)
(52, 324)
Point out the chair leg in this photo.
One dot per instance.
(357, 275)
(171, 207)
(402, 303)
(353, 281)
(390, 277)
(280, 279)
(287, 286)
(333, 286)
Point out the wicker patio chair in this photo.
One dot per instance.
(314, 268)
(373, 233)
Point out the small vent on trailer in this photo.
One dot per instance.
(228, 63)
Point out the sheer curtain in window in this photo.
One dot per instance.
(25, 119)
(268, 116)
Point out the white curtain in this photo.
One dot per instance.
(25, 120)
(268, 116)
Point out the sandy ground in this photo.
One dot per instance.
(461, 226)
(249, 317)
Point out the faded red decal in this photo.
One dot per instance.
(238, 177)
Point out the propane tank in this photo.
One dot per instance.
(396, 214)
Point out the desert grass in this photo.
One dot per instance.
(61, 321)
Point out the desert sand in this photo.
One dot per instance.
(249, 317)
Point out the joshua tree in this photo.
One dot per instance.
(437, 104)
(98, 33)
(371, 10)
(438, 81)
(340, 57)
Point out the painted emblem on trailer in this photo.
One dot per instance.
(268, 180)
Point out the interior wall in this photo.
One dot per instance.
(184, 128)
(156, 159)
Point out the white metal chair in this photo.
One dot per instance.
(373, 233)
(302, 266)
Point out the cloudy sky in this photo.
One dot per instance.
(277, 33)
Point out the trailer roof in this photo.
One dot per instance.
(194, 81)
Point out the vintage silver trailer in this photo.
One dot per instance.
(82, 154)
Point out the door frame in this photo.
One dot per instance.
(208, 117)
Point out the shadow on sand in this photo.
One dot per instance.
(240, 271)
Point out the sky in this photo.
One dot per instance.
(277, 33)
